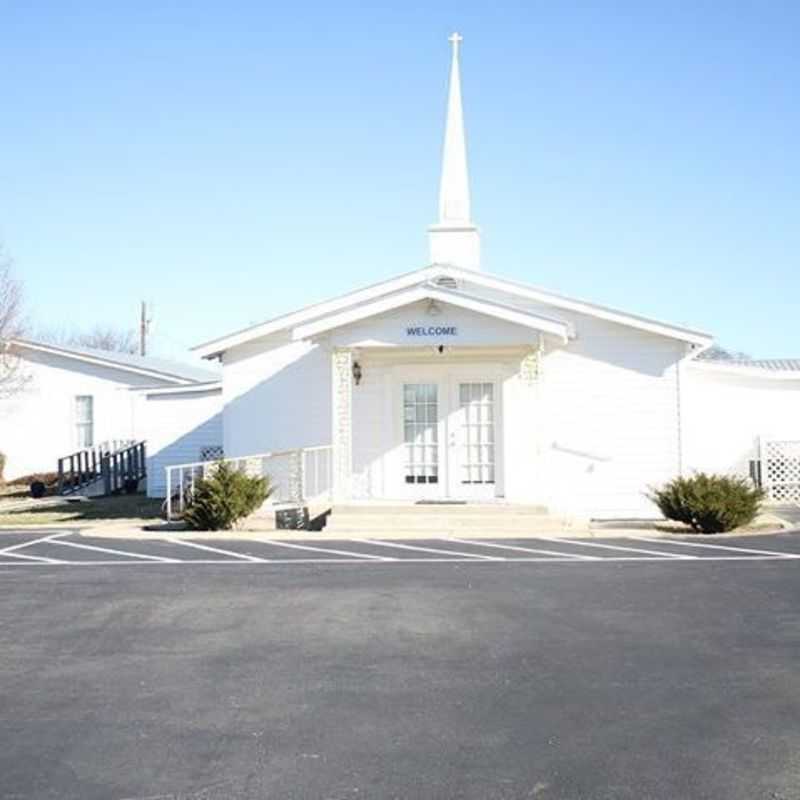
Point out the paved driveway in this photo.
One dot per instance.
(668, 677)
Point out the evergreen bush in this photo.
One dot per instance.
(223, 498)
(2, 467)
(709, 503)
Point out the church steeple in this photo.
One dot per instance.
(454, 239)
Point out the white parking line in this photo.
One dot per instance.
(111, 550)
(49, 538)
(717, 547)
(471, 559)
(428, 550)
(34, 558)
(231, 553)
(580, 542)
(525, 549)
(278, 543)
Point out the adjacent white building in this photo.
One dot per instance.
(738, 413)
(72, 398)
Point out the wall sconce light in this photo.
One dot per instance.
(357, 372)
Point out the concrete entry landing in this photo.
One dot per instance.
(444, 519)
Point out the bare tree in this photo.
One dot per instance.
(108, 338)
(100, 337)
(12, 374)
(718, 353)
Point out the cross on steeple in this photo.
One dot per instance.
(455, 39)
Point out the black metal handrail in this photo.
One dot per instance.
(114, 467)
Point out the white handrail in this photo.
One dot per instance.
(293, 477)
(269, 454)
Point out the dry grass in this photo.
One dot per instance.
(20, 487)
(13, 492)
(50, 510)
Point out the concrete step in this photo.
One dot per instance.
(374, 524)
(490, 532)
(415, 522)
(438, 516)
(451, 510)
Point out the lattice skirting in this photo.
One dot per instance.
(780, 465)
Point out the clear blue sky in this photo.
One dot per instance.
(232, 161)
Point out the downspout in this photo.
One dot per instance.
(692, 352)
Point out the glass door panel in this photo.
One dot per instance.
(476, 442)
(421, 433)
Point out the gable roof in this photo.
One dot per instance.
(169, 371)
(428, 291)
(430, 274)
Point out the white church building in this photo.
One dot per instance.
(448, 383)
(445, 384)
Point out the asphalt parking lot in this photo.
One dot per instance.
(637, 669)
(73, 549)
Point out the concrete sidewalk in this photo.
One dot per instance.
(126, 529)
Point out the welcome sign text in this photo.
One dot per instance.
(432, 330)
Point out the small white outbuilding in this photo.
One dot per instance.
(67, 399)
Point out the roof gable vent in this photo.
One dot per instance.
(446, 282)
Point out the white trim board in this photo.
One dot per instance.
(459, 299)
(216, 347)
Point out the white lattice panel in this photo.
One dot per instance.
(780, 462)
(284, 474)
(212, 452)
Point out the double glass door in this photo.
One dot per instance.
(449, 446)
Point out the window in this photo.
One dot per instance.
(84, 421)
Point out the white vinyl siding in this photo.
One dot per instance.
(180, 428)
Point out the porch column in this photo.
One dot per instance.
(342, 424)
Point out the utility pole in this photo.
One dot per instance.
(143, 330)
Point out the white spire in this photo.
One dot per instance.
(454, 239)
(454, 188)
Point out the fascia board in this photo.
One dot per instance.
(400, 299)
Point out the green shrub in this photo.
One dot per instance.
(226, 496)
(2, 467)
(709, 503)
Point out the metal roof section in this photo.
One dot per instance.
(167, 370)
(787, 369)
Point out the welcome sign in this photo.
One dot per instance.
(425, 331)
